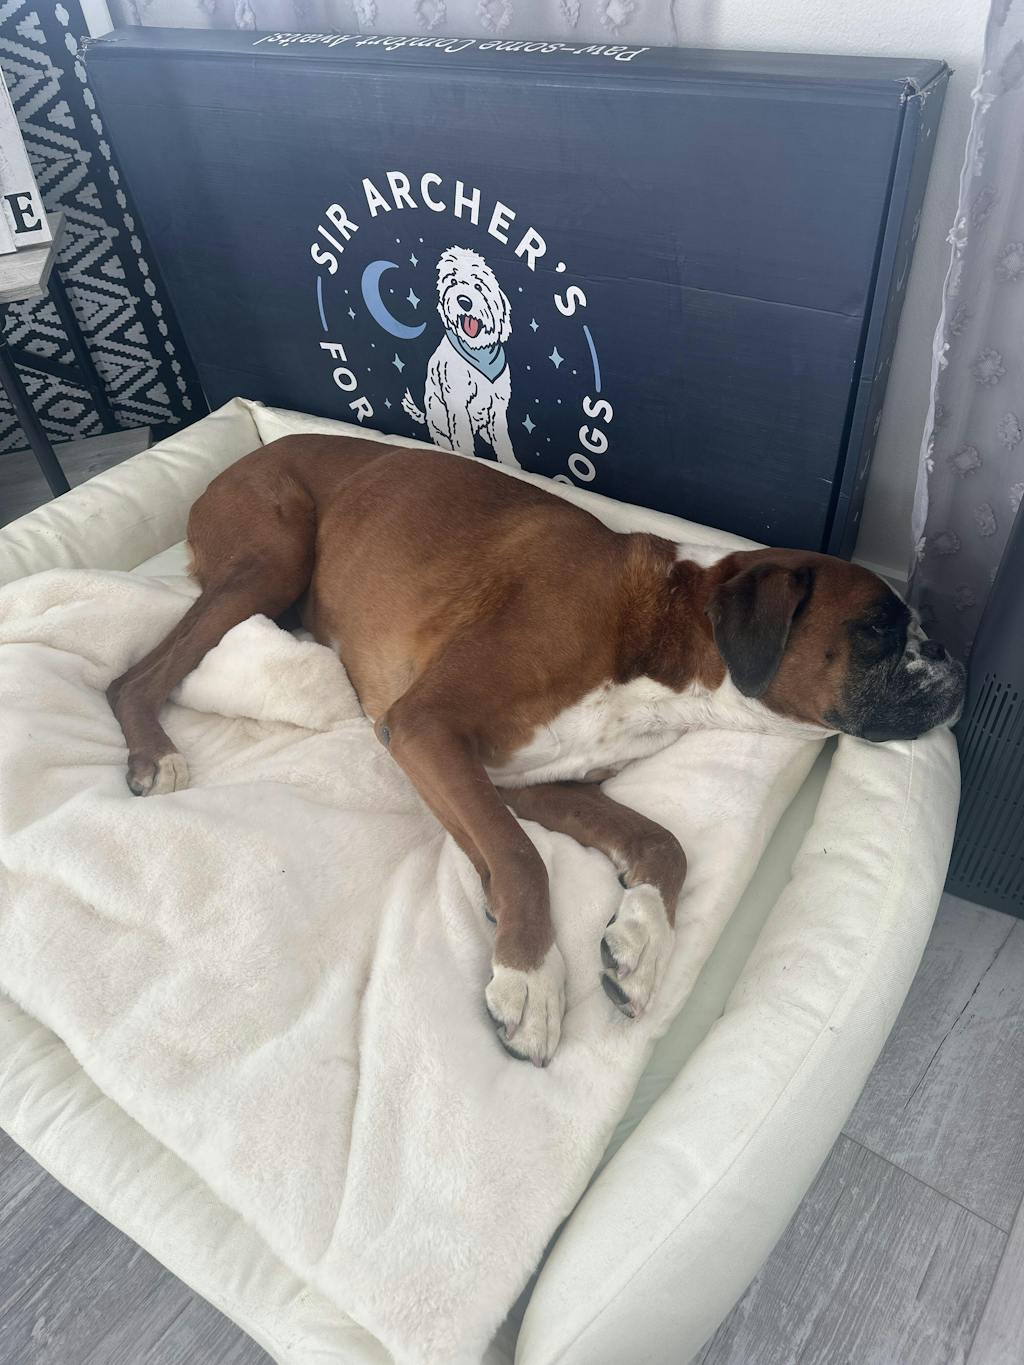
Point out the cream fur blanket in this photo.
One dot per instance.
(279, 972)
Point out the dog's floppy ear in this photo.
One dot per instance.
(751, 615)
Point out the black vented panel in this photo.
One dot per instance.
(988, 856)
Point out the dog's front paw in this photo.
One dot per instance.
(527, 1007)
(635, 949)
(149, 776)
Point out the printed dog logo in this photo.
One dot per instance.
(468, 385)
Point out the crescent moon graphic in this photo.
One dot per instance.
(370, 285)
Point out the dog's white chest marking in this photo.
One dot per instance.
(617, 723)
(607, 728)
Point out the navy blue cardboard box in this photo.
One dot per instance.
(671, 276)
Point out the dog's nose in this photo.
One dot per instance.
(464, 303)
(931, 649)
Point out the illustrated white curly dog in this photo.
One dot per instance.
(468, 386)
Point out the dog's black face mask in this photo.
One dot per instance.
(899, 683)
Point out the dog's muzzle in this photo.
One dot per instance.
(905, 698)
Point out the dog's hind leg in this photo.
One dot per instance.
(267, 576)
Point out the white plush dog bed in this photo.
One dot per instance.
(737, 1106)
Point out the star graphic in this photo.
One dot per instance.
(413, 299)
(534, 324)
(413, 260)
(351, 312)
(528, 424)
(555, 358)
(398, 364)
(387, 402)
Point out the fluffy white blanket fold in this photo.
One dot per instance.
(279, 972)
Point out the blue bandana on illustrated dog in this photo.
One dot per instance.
(489, 360)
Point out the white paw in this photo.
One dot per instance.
(527, 1007)
(635, 950)
(157, 777)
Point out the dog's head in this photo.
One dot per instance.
(470, 300)
(818, 639)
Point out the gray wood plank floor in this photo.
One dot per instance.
(23, 488)
(899, 1254)
(1000, 1336)
(951, 1112)
(75, 1291)
(876, 1267)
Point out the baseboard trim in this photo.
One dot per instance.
(896, 578)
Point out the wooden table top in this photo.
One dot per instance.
(25, 274)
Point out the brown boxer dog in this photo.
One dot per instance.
(512, 651)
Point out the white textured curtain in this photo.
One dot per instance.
(637, 21)
(971, 480)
